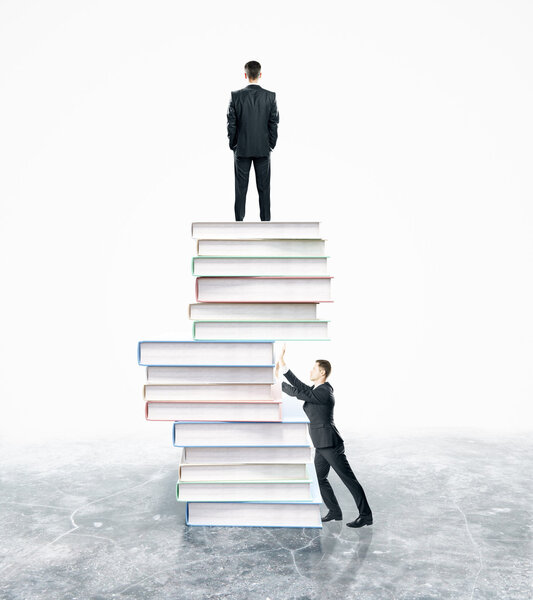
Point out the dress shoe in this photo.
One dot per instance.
(331, 516)
(360, 521)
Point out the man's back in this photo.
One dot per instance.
(252, 121)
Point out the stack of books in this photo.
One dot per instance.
(246, 456)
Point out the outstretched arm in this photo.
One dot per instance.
(304, 392)
(232, 124)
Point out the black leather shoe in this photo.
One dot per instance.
(360, 521)
(331, 516)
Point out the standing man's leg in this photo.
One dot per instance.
(337, 459)
(326, 491)
(242, 173)
(262, 179)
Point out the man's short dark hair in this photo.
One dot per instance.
(252, 68)
(324, 364)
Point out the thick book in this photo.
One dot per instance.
(263, 289)
(208, 391)
(256, 311)
(261, 247)
(184, 353)
(231, 266)
(241, 471)
(292, 432)
(294, 491)
(254, 514)
(256, 230)
(241, 454)
(260, 330)
(199, 374)
(213, 411)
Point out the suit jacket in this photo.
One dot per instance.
(318, 406)
(252, 121)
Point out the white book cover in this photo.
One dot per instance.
(263, 289)
(254, 514)
(258, 311)
(242, 471)
(256, 230)
(213, 411)
(289, 433)
(260, 330)
(199, 374)
(243, 454)
(229, 266)
(247, 491)
(210, 391)
(183, 353)
(296, 247)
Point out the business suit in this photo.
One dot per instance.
(252, 133)
(329, 446)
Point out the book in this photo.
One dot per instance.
(187, 491)
(258, 311)
(199, 374)
(208, 391)
(285, 433)
(184, 353)
(254, 514)
(242, 454)
(242, 471)
(303, 247)
(257, 330)
(230, 266)
(213, 411)
(256, 230)
(263, 289)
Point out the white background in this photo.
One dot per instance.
(405, 128)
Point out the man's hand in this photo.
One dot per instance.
(281, 360)
(276, 372)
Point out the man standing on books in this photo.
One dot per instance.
(252, 131)
(329, 447)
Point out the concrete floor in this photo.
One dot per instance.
(452, 517)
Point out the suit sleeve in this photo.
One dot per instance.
(288, 389)
(305, 392)
(273, 121)
(232, 124)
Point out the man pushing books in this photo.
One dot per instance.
(329, 445)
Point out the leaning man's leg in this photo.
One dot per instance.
(341, 466)
(322, 470)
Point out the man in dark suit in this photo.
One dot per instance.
(329, 447)
(252, 132)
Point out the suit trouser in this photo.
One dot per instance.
(262, 179)
(334, 457)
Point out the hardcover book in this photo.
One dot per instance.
(260, 247)
(263, 289)
(256, 230)
(227, 266)
(200, 374)
(194, 353)
(213, 411)
(256, 311)
(257, 330)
